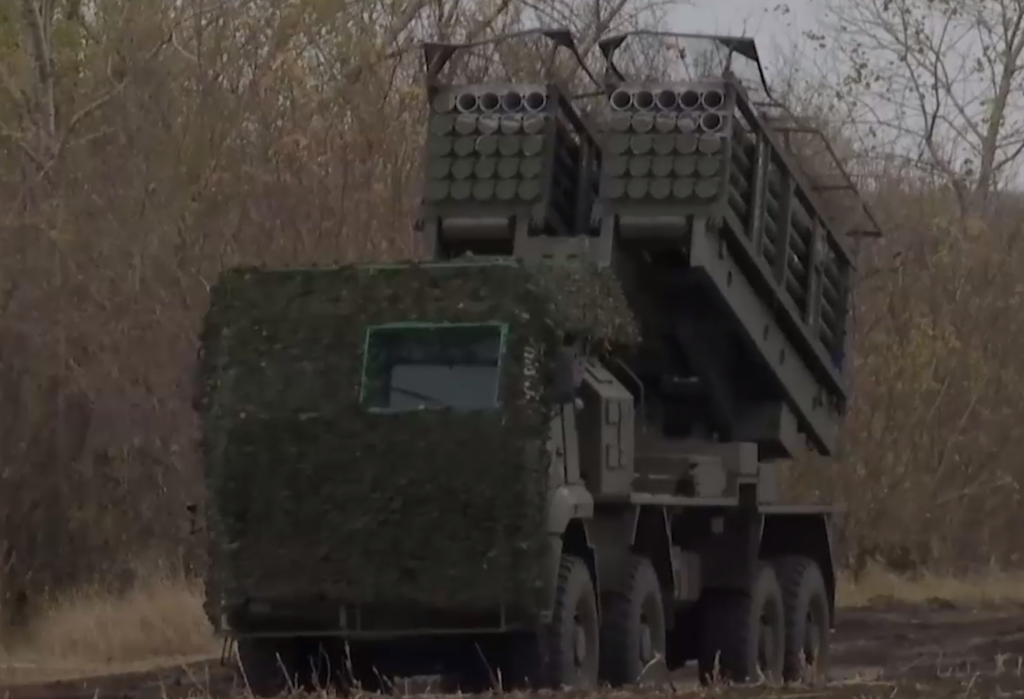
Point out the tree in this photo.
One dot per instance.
(145, 145)
(929, 472)
(944, 81)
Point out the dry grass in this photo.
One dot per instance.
(878, 586)
(161, 622)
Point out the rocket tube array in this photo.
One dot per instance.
(490, 145)
(666, 144)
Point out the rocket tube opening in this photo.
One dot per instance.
(643, 99)
(712, 99)
(667, 99)
(512, 101)
(489, 102)
(621, 100)
(711, 121)
(689, 99)
(536, 101)
(466, 102)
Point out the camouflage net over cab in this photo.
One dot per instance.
(313, 494)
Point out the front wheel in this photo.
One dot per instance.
(570, 655)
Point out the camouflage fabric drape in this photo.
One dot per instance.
(312, 494)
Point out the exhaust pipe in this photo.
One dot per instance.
(667, 99)
(689, 99)
(621, 100)
(536, 101)
(712, 99)
(711, 121)
(644, 100)
(489, 102)
(466, 102)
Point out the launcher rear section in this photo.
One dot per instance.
(734, 266)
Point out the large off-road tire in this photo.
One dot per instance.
(807, 618)
(743, 634)
(574, 637)
(566, 653)
(633, 626)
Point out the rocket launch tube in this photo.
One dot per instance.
(466, 102)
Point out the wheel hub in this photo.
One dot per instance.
(646, 643)
(812, 640)
(580, 645)
(765, 643)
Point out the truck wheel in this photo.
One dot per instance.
(633, 626)
(744, 632)
(805, 601)
(574, 635)
(268, 666)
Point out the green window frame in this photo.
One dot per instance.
(386, 345)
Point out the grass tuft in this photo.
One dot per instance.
(159, 622)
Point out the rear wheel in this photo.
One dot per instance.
(633, 627)
(743, 633)
(805, 600)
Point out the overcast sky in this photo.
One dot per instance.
(772, 29)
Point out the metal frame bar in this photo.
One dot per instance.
(710, 254)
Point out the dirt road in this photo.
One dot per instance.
(897, 651)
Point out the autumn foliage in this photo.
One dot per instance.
(145, 145)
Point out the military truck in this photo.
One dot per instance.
(549, 453)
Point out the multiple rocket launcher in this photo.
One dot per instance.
(518, 146)
(520, 164)
(514, 147)
(665, 145)
(521, 145)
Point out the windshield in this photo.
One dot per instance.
(422, 366)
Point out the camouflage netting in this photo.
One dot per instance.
(312, 494)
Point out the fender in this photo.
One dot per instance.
(566, 503)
